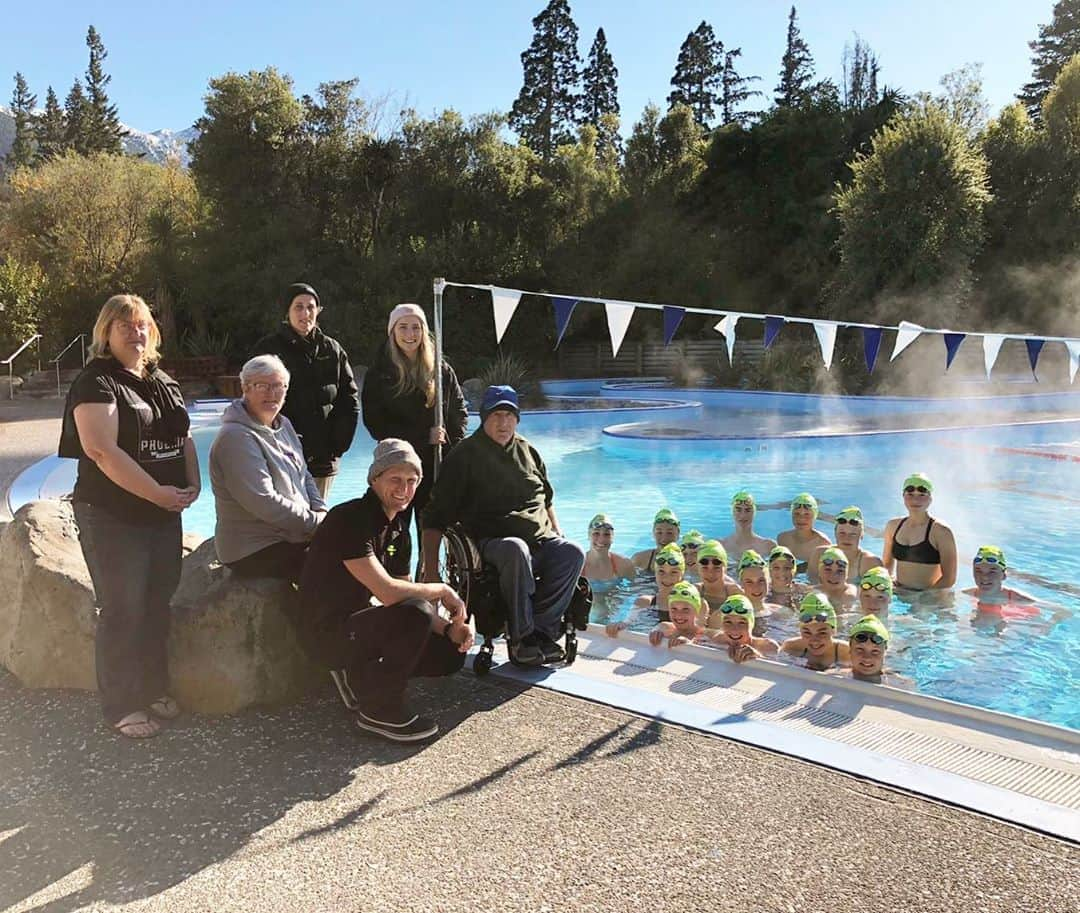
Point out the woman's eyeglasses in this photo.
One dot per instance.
(710, 562)
(864, 636)
(262, 387)
(882, 587)
(807, 617)
(921, 489)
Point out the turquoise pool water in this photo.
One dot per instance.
(1028, 502)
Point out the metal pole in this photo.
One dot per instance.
(10, 382)
(82, 350)
(58, 377)
(438, 286)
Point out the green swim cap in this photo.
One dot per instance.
(713, 548)
(739, 606)
(670, 554)
(750, 558)
(832, 553)
(850, 513)
(744, 497)
(870, 624)
(686, 593)
(988, 553)
(692, 538)
(600, 521)
(665, 515)
(782, 551)
(805, 500)
(815, 605)
(919, 479)
(875, 577)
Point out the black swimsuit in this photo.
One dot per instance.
(923, 553)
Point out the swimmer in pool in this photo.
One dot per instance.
(669, 571)
(601, 563)
(684, 610)
(734, 622)
(989, 569)
(755, 586)
(832, 579)
(784, 590)
(690, 543)
(816, 642)
(875, 592)
(868, 642)
(743, 512)
(665, 530)
(849, 532)
(715, 586)
(922, 549)
(802, 538)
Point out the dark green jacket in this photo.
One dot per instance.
(493, 491)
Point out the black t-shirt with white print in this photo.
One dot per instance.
(153, 430)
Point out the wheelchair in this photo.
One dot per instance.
(477, 584)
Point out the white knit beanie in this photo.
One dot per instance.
(406, 310)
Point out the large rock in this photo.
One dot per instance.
(231, 645)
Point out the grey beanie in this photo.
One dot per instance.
(393, 452)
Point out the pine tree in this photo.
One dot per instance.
(1055, 46)
(797, 67)
(103, 128)
(861, 68)
(734, 90)
(75, 120)
(600, 95)
(22, 106)
(698, 73)
(545, 111)
(49, 128)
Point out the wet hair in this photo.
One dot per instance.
(125, 307)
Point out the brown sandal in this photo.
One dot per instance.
(138, 725)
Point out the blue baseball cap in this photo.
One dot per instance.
(499, 397)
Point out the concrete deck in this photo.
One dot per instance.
(530, 800)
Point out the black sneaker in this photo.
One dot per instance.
(398, 726)
(527, 651)
(553, 653)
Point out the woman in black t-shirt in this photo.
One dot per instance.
(126, 424)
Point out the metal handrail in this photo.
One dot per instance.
(11, 358)
(82, 357)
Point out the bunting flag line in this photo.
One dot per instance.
(672, 318)
(564, 309)
(871, 337)
(618, 322)
(773, 325)
(1034, 347)
(991, 347)
(1073, 345)
(906, 334)
(726, 327)
(952, 346)
(504, 302)
(826, 335)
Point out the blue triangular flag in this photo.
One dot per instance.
(952, 346)
(1034, 347)
(772, 329)
(871, 337)
(564, 308)
(672, 318)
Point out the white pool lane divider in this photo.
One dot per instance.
(1004, 766)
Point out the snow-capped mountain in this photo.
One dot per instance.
(155, 147)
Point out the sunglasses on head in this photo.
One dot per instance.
(829, 562)
(864, 636)
(921, 489)
(807, 617)
(875, 586)
(674, 562)
(987, 559)
(854, 521)
(606, 526)
(737, 609)
(706, 562)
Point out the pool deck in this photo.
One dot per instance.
(531, 798)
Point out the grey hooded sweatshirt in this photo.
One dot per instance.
(263, 491)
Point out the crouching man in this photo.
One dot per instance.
(495, 485)
(363, 616)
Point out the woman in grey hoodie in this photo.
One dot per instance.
(268, 505)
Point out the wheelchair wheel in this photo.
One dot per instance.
(457, 569)
(571, 649)
(482, 662)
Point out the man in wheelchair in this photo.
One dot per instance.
(495, 485)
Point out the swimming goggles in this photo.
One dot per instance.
(864, 636)
(807, 617)
(829, 562)
(602, 526)
(921, 489)
(866, 585)
(690, 546)
(737, 609)
(706, 562)
(854, 521)
(674, 562)
(988, 559)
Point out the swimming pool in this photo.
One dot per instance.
(1017, 485)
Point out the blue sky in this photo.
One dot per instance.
(466, 54)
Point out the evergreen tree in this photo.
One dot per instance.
(734, 90)
(861, 68)
(49, 128)
(797, 68)
(600, 95)
(75, 120)
(22, 107)
(1055, 46)
(698, 73)
(545, 111)
(103, 130)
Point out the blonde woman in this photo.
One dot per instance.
(398, 399)
(125, 422)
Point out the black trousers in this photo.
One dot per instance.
(388, 645)
(282, 561)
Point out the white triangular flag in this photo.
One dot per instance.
(726, 328)
(618, 321)
(991, 346)
(906, 334)
(1073, 345)
(504, 302)
(826, 335)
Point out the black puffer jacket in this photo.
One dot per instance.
(322, 401)
(408, 416)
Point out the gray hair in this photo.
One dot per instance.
(260, 366)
